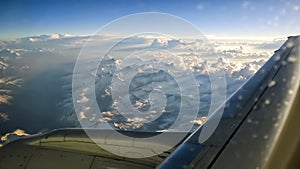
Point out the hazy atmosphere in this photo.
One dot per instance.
(41, 40)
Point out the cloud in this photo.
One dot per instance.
(140, 104)
(239, 59)
(82, 115)
(4, 117)
(11, 81)
(83, 99)
(275, 44)
(10, 65)
(33, 40)
(40, 38)
(3, 65)
(131, 123)
(199, 121)
(5, 99)
(296, 7)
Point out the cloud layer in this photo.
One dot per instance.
(36, 78)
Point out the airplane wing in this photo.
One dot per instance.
(259, 125)
(73, 148)
(258, 129)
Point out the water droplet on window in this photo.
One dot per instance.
(277, 57)
(267, 101)
(272, 83)
(240, 97)
(292, 59)
(249, 121)
(290, 44)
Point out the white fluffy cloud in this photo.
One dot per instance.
(47, 37)
(239, 60)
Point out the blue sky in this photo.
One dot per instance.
(221, 18)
